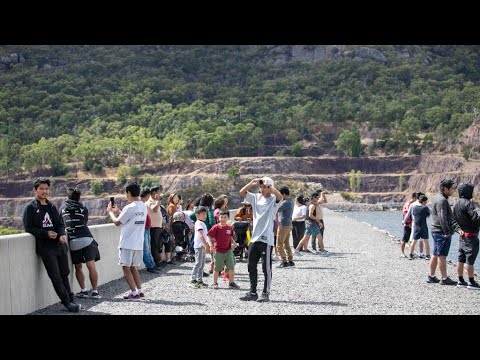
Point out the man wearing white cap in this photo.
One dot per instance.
(264, 206)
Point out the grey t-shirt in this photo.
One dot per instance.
(285, 211)
(264, 210)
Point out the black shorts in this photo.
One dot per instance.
(407, 231)
(468, 250)
(86, 254)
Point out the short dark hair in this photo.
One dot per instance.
(301, 199)
(145, 192)
(74, 194)
(284, 190)
(155, 189)
(41, 180)
(319, 191)
(133, 188)
(446, 184)
(197, 201)
(422, 198)
(224, 212)
(200, 209)
(414, 195)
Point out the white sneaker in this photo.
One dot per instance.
(297, 253)
(324, 253)
(313, 251)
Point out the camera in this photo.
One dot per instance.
(260, 182)
(112, 201)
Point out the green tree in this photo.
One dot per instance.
(358, 180)
(96, 187)
(349, 142)
(351, 180)
(233, 173)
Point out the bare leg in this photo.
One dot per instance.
(321, 247)
(129, 277)
(215, 277)
(470, 271)
(136, 276)
(443, 266)
(231, 275)
(80, 276)
(92, 272)
(427, 246)
(433, 265)
(460, 268)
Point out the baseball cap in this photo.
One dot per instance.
(267, 181)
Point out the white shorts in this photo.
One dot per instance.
(128, 257)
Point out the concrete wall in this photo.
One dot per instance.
(25, 284)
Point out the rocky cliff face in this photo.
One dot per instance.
(380, 180)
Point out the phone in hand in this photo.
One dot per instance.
(112, 201)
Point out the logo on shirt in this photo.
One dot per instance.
(47, 221)
(228, 232)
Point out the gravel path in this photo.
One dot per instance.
(363, 275)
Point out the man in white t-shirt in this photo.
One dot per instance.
(132, 219)
(264, 207)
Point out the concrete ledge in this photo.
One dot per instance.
(26, 286)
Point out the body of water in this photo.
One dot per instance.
(391, 221)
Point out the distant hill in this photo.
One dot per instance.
(106, 105)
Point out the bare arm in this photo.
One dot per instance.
(112, 212)
(247, 187)
(276, 193)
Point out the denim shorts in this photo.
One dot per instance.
(441, 243)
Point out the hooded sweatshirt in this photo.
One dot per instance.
(464, 211)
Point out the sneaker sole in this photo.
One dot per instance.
(472, 288)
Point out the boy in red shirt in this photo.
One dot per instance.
(224, 243)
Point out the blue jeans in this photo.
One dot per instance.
(441, 244)
(147, 254)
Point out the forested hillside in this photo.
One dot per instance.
(103, 106)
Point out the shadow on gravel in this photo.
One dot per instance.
(315, 268)
(159, 302)
(326, 303)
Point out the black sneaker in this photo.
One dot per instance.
(447, 281)
(232, 285)
(193, 283)
(153, 271)
(73, 307)
(473, 286)
(432, 280)
(263, 297)
(462, 283)
(95, 295)
(249, 297)
(291, 263)
(82, 294)
(427, 257)
(411, 257)
(283, 264)
(201, 284)
(205, 274)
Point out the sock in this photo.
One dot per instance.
(460, 279)
(95, 291)
(472, 280)
(445, 278)
(134, 293)
(84, 290)
(140, 290)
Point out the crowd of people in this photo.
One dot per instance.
(462, 218)
(157, 235)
